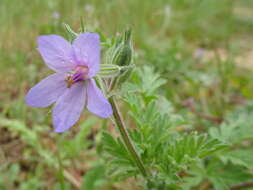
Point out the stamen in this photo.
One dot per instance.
(69, 81)
(80, 73)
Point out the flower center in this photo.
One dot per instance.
(80, 73)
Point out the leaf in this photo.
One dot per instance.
(120, 164)
(29, 136)
(32, 183)
(234, 175)
(192, 146)
(80, 142)
(236, 128)
(238, 157)
(94, 179)
(145, 81)
(192, 181)
(219, 184)
(114, 147)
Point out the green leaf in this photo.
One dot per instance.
(192, 146)
(236, 128)
(218, 184)
(73, 148)
(120, 164)
(145, 81)
(238, 157)
(94, 179)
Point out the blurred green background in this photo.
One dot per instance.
(203, 48)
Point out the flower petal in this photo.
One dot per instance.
(56, 52)
(46, 91)
(97, 103)
(87, 51)
(68, 107)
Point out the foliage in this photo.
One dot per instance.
(186, 102)
(165, 152)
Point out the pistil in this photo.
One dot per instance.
(80, 73)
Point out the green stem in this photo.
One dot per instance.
(60, 171)
(125, 136)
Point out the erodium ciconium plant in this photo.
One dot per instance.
(72, 87)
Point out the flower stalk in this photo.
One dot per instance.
(119, 122)
(60, 171)
(122, 57)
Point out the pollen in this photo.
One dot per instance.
(80, 73)
(69, 81)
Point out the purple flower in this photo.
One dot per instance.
(72, 87)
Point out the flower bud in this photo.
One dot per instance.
(120, 54)
(122, 50)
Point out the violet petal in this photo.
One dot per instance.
(97, 102)
(46, 91)
(68, 107)
(87, 51)
(56, 52)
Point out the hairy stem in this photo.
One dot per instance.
(125, 136)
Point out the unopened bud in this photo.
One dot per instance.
(122, 51)
(121, 55)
